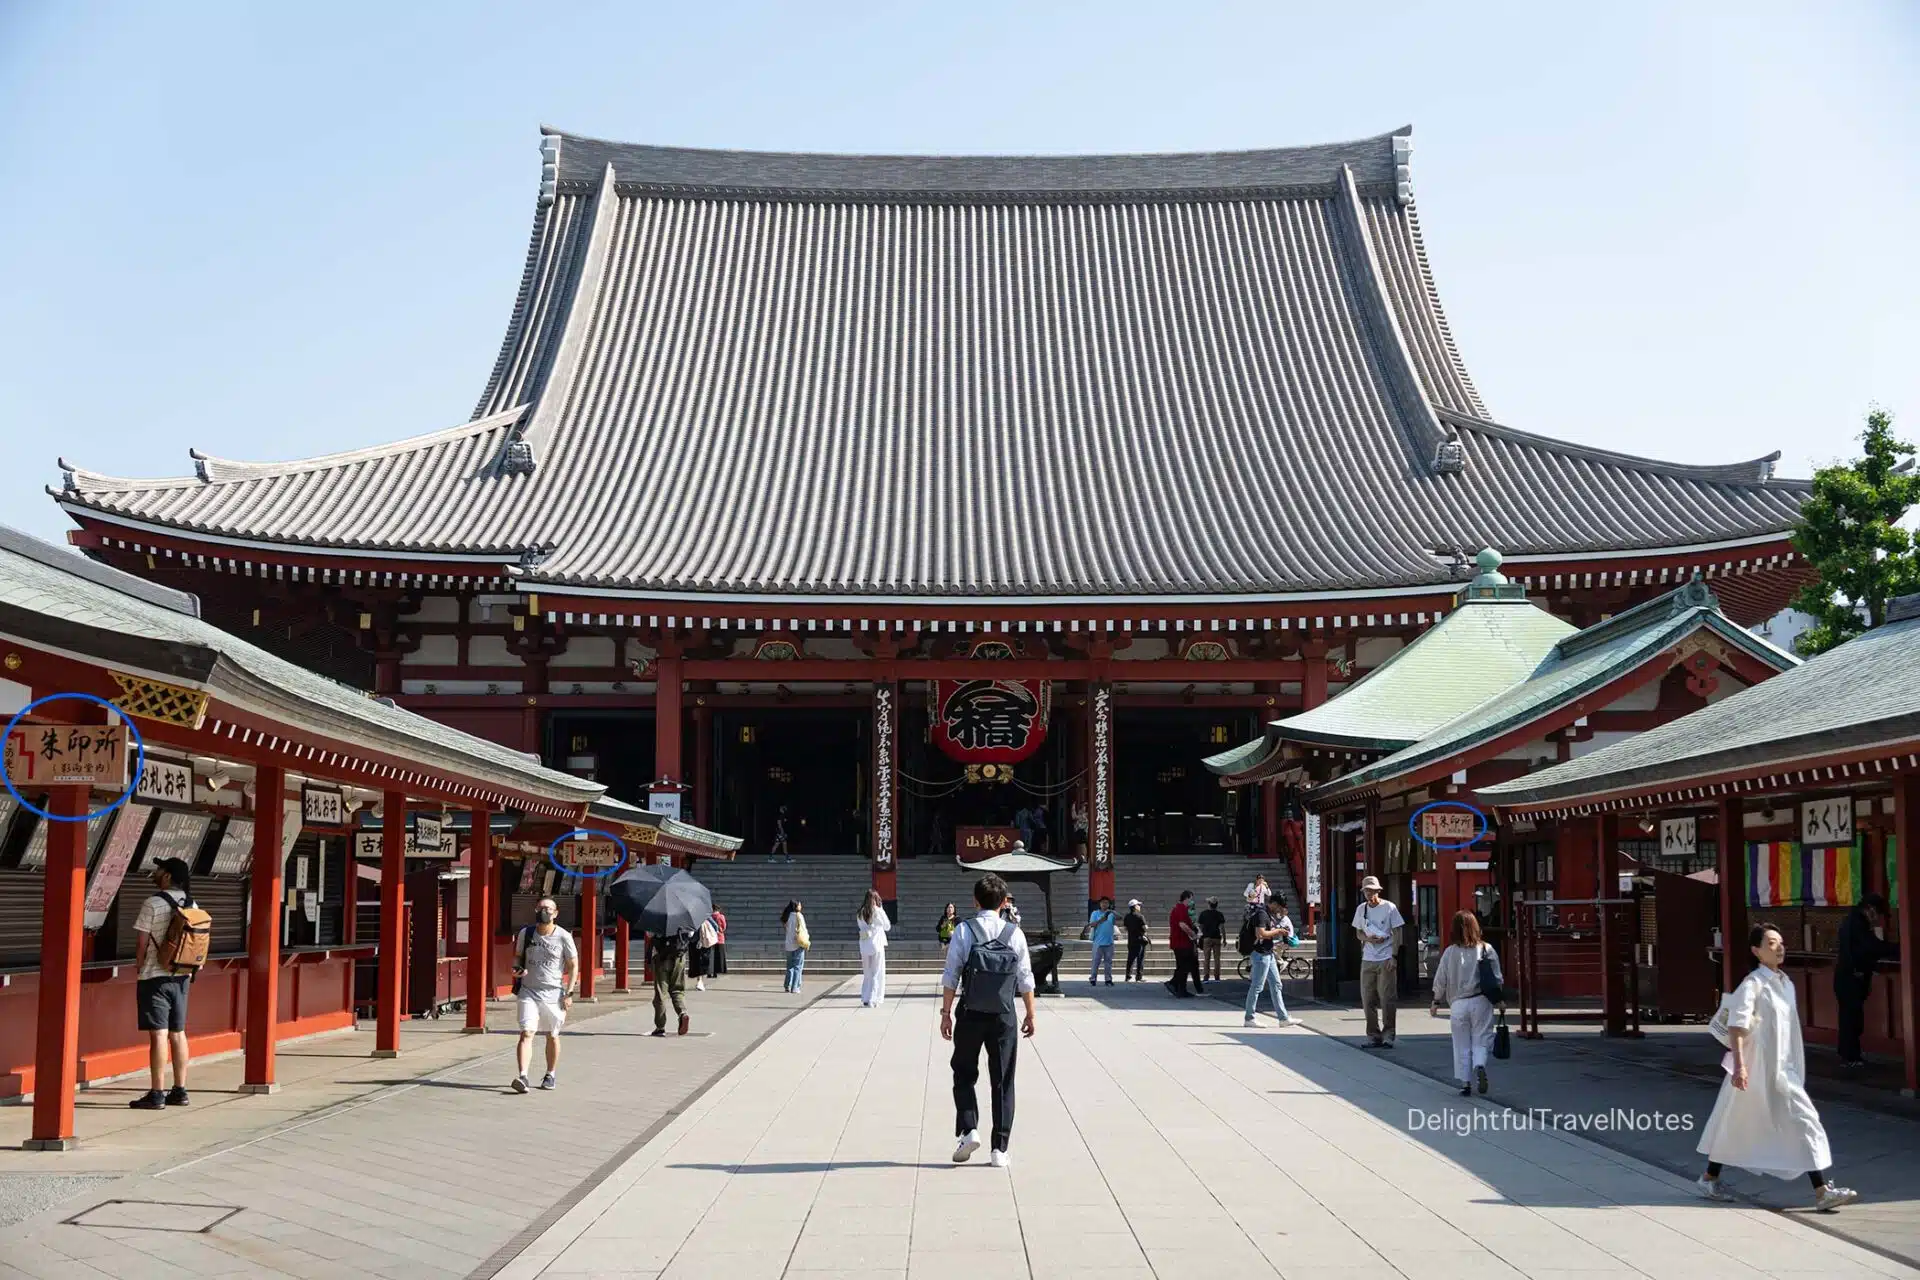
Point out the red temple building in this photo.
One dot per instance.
(847, 501)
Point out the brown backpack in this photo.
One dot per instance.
(189, 937)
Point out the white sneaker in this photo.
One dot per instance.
(700, 985)
(968, 1144)
(1000, 1160)
(1711, 1188)
(1832, 1197)
(1287, 1022)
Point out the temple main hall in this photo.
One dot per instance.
(861, 506)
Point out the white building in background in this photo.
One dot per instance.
(1783, 628)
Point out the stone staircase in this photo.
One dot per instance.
(752, 891)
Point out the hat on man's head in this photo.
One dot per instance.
(1133, 902)
(1371, 882)
(1213, 902)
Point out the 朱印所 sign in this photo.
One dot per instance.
(1449, 826)
(90, 755)
(589, 855)
(975, 844)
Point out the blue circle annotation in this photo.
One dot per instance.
(1481, 824)
(579, 833)
(139, 757)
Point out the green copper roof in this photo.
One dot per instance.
(1579, 664)
(1491, 642)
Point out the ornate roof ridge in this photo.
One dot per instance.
(212, 470)
(1753, 471)
(579, 157)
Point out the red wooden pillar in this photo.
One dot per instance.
(1100, 799)
(1614, 992)
(666, 723)
(63, 901)
(1732, 864)
(1313, 674)
(1906, 884)
(702, 763)
(622, 953)
(884, 808)
(1446, 870)
(480, 875)
(266, 893)
(350, 901)
(589, 936)
(393, 925)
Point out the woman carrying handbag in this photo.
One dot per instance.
(1467, 979)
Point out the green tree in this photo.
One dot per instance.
(1850, 533)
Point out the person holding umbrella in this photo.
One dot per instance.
(667, 905)
(667, 955)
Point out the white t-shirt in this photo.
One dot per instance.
(546, 963)
(1382, 917)
(155, 918)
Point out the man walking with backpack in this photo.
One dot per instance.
(546, 963)
(170, 944)
(987, 966)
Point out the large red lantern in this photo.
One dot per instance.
(987, 721)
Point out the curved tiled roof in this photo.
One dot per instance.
(924, 377)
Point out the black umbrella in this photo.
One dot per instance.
(660, 900)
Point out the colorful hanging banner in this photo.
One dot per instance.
(1785, 874)
(1833, 875)
(1774, 874)
(990, 721)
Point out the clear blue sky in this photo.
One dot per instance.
(1689, 230)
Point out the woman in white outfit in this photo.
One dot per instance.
(873, 925)
(1763, 1119)
(1456, 984)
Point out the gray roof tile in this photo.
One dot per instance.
(1862, 693)
(936, 377)
(92, 608)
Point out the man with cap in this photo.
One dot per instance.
(1377, 923)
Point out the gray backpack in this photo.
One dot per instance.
(987, 984)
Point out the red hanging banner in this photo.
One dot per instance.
(988, 721)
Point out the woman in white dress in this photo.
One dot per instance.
(1763, 1120)
(1456, 984)
(873, 925)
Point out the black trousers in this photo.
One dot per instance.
(999, 1035)
(1186, 961)
(1136, 960)
(1852, 999)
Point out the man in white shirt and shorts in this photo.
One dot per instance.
(546, 963)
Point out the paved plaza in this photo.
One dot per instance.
(1154, 1138)
(421, 1168)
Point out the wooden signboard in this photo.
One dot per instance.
(323, 806)
(1449, 826)
(975, 844)
(588, 855)
(1679, 837)
(366, 846)
(1827, 821)
(177, 834)
(48, 755)
(167, 781)
(116, 855)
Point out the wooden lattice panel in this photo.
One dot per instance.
(157, 700)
